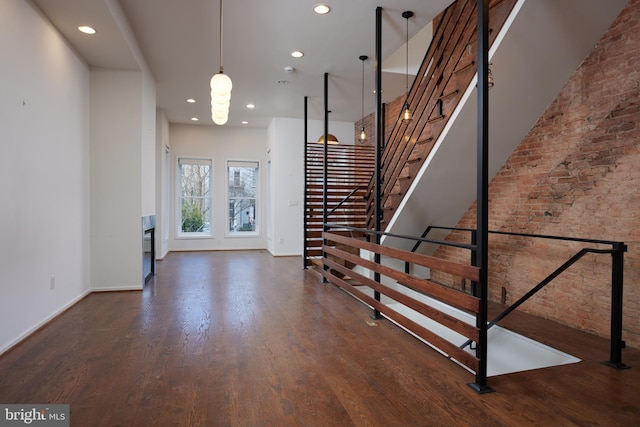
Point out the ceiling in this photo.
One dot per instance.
(179, 41)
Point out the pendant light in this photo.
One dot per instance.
(363, 135)
(331, 138)
(406, 112)
(220, 89)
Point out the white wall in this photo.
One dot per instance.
(116, 191)
(163, 201)
(286, 145)
(44, 173)
(219, 143)
(122, 132)
(148, 145)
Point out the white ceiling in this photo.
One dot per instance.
(179, 39)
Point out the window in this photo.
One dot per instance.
(195, 197)
(242, 197)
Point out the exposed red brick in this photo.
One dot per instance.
(575, 174)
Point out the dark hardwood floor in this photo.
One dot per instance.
(245, 339)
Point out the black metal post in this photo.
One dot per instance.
(325, 169)
(617, 279)
(306, 203)
(377, 212)
(383, 125)
(474, 258)
(482, 210)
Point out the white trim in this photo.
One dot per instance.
(197, 160)
(258, 198)
(118, 289)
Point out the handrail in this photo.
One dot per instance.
(508, 233)
(541, 285)
(343, 201)
(617, 274)
(400, 236)
(540, 236)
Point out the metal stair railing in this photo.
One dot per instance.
(617, 279)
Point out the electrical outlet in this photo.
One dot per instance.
(281, 240)
(52, 282)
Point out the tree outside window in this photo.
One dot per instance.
(242, 179)
(195, 196)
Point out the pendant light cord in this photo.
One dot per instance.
(362, 103)
(221, 69)
(406, 75)
(406, 114)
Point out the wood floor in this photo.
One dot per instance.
(245, 339)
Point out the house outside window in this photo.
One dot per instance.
(194, 213)
(242, 198)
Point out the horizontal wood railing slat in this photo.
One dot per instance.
(454, 351)
(424, 286)
(453, 323)
(460, 270)
(341, 263)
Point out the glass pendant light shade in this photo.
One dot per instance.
(220, 98)
(221, 84)
(332, 139)
(220, 89)
(406, 114)
(219, 116)
(363, 135)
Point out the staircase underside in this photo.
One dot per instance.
(539, 47)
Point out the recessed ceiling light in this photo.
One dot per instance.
(251, 106)
(191, 100)
(297, 54)
(244, 122)
(86, 29)
(321, 9)
(194, 119)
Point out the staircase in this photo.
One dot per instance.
(446, 71)
(429, 165)
(349, 170)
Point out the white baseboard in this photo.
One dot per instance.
(39, 325)
(118, 288)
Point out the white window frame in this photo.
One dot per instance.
(258, 201)
(208, 233)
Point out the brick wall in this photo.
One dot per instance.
(392, 111)
(577, 173)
